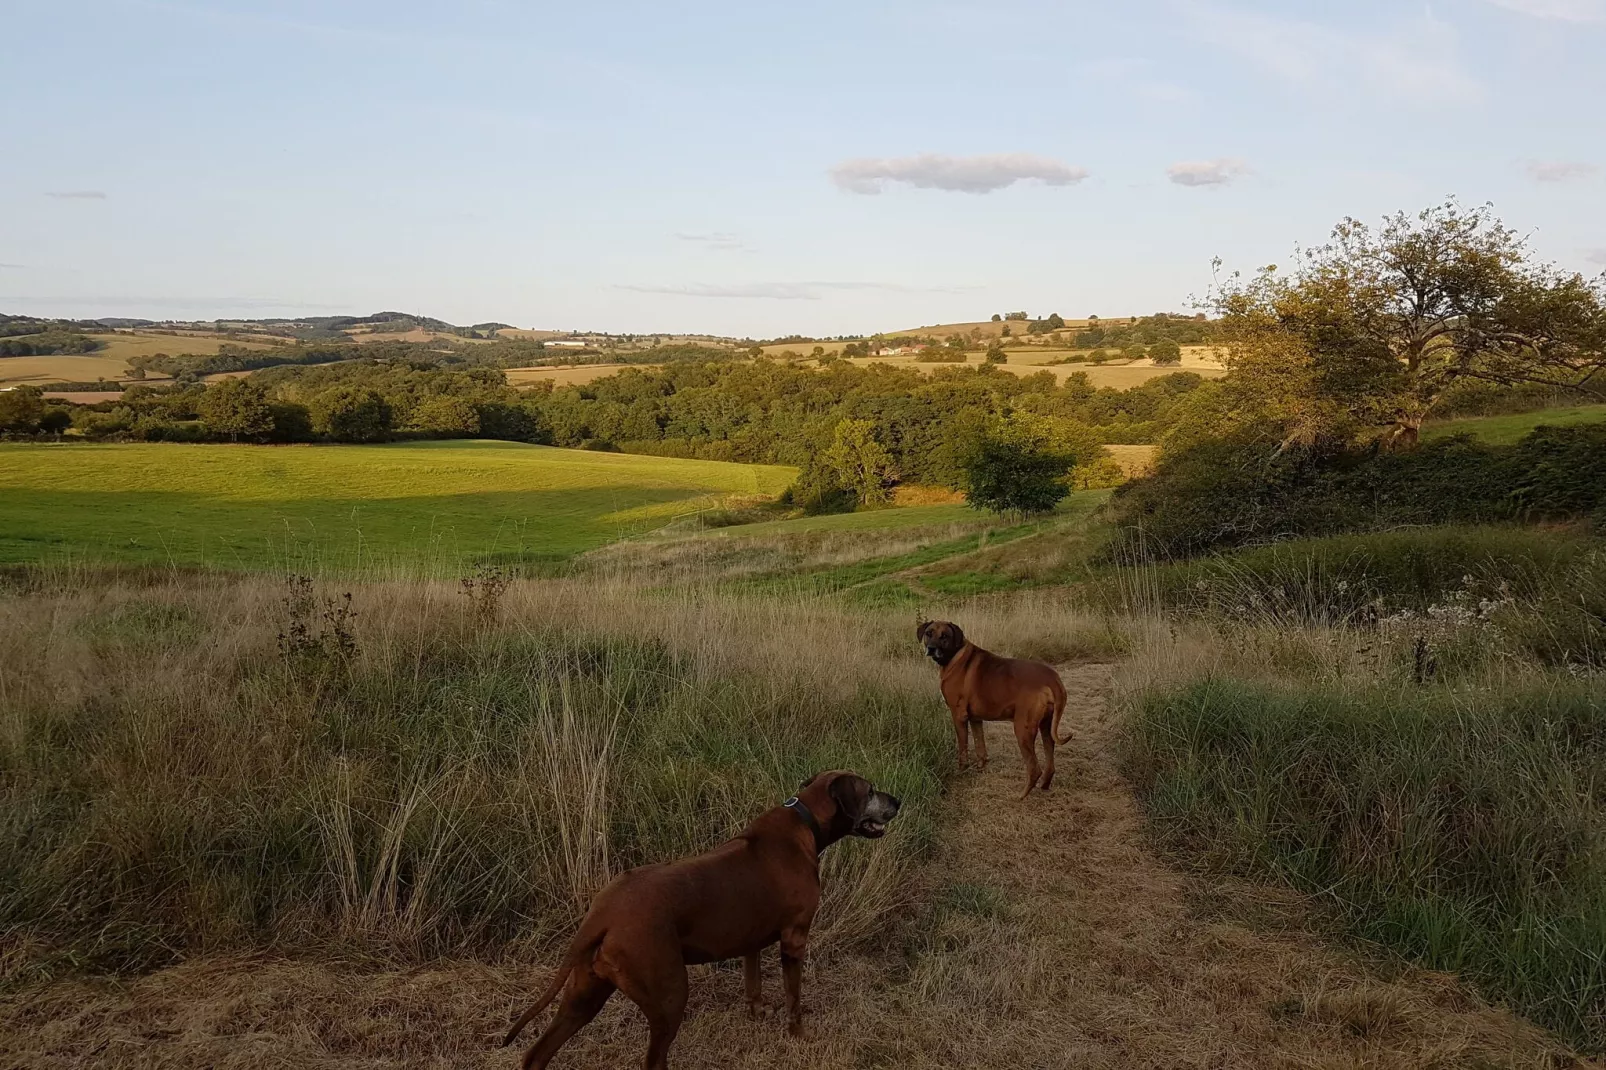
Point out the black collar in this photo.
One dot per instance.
(801, 809)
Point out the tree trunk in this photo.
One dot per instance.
(1404, 435)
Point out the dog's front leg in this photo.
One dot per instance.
(753, 981)
(794, 949)
(978, 736)
(962, 739)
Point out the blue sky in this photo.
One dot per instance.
(757, 168)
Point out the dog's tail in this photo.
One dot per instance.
(1058, 691)
(583, 942)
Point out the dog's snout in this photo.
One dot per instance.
(894, 804)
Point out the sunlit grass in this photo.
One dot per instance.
(412, 506)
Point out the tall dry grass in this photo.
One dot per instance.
(700, 559)
(1434, 777)
(174, 780)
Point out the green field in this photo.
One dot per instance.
(1506, 430)
(416, 506)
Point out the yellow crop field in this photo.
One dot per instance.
(575, 375)
(85, 367)
(123, 345)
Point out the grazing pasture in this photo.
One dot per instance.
(1506, 430)
(414, 506)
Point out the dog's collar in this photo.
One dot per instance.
(801, 809)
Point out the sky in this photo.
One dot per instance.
(756, 168)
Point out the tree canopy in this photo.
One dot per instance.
(235, 407)
(1374, 327)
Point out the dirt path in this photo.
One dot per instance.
(1053, 937)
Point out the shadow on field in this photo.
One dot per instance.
(315, 534)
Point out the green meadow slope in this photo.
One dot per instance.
(1506, 430)
(426, 506)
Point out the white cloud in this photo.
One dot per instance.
(1560, 170)
(781, 291)
(962, 174)
(1206, 172)
(1415, 58)
(1560, 10)
(78, 195)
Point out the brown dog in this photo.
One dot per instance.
(980, 686)
(649, 924)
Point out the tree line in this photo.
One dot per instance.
(48, 344)
(856, 432)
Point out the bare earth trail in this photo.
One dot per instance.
(1051, 937)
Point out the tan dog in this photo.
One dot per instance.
(649, 924)
(980, 686)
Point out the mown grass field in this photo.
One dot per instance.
(412, 506)
(122, 344)
(57, 368)
(574, 375)
(1507, 430)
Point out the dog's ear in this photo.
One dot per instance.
(920, 629)
(958, 635)
(809, 781)
(851, 793)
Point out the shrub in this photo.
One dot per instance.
(95, 424)
(1165, 352)
(1221, 494)
(1009, 476)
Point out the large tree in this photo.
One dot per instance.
(21, 409)
(352, 414)
(860, 462)
(235, 407)
(1011, 475)
(1374, 326)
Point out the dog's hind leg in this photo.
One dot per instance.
(663, 1023)
(794, 949)
(654, 977)
(1045, 729)
(582, 999)
(753, 985)
(1026, 736)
